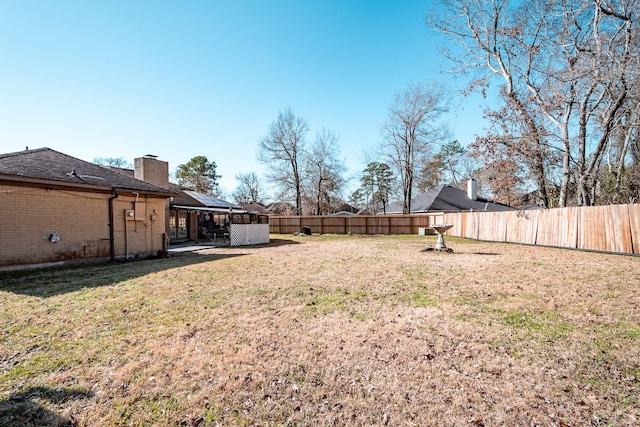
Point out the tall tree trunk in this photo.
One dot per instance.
(318, 200)
(596, 156)
(298, 189)
(536, 162)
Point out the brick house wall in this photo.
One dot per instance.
(31, 214)
(144, 237)
(156, 172)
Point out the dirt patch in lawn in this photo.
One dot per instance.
(331, 330)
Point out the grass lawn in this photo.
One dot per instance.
(327, 330)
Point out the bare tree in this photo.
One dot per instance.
(620, 177)
(501, 178)
(282, 148)
(577, 72)
(482, 31)
(117, 162)
(567, 70)
(452, 154)
(249, 189)
(324, 173)
(411, 132)
(508, 141)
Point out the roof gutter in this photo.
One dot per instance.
(51, 183)
(134, 191)
(112, 249)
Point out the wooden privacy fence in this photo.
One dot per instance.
(614, 228)
(361, 224)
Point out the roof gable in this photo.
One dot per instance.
(62, 169)
(421, 203)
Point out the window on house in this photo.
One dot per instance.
(182, 224)
(172, 225)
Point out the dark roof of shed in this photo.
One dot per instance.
(61, 169)
(445, 198)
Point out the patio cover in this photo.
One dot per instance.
(205, 209)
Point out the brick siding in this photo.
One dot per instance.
(29, 215)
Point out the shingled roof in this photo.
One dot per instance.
(49, 167)
(445, 198)
(255, 207)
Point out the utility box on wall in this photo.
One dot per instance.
(139, 211)
(137, 214)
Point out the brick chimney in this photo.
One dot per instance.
(150, 169)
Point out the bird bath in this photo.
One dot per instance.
(440, 245)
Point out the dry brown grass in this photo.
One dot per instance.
(328, 330)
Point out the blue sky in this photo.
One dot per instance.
(185, 78)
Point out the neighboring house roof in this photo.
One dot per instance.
(255, 207)
(281, 208)
(365, 212)
(344, 213)
(345, 207)
(445, 198)
(45, 166)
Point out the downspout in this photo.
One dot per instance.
(112, 249)
(126, 237)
